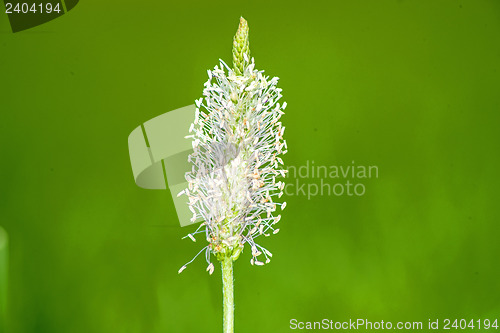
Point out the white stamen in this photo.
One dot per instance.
(237, 140)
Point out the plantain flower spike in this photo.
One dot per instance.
(237, 140)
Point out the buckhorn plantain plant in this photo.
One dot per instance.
(237, 138)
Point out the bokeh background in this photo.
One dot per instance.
(409, 86)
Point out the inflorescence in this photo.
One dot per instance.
(237, 140)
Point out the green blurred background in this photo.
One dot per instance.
(409, 86)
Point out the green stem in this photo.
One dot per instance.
(4, 262)
(228, 295)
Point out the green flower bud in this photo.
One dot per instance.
(241, 46)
